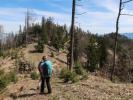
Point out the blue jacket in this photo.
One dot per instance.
(49, 65)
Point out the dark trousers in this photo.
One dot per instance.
(45, 81)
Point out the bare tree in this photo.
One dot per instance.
(71, 49)
(121, 7)
(72, 35)
(29, 19)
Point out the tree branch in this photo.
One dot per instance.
(127, 1)
(78, 5)
(127, 14)
(81, 13)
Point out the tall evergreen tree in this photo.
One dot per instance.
(20, 29)
(49, 24)
(92, 54)
(44, 33)
(58, 39)
(65, 32)
(102, 51)
(77, 38)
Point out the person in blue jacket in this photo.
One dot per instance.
(46, 73)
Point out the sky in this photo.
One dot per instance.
(100, 16)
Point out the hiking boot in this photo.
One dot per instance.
(49, 92)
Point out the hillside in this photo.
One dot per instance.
(94, 88)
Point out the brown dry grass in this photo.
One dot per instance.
(94, 88)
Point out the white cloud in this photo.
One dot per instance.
(16, 16)
(104, 21)
(111, 5)
(95, 21)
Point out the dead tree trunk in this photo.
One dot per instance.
(116, 40)
(27, 19)
(72, 36)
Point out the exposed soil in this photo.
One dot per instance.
(94, 88)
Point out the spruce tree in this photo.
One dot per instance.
(76, 52)
(49, 24)
(102, 51)
(40, 46)
(44, 34)
(92, 54)
(58, 39)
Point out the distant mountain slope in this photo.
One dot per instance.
(129, 35)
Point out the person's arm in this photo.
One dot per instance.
(41, 72)
(40, 69)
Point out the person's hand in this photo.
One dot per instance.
(54, 65)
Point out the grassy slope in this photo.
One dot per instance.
(95, 88)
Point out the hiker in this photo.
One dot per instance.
(46, 72)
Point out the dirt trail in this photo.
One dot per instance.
(94, 88)
(60, 58)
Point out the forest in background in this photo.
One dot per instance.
(92, 52)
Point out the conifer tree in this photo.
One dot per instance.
(102, 51)
(92, 54)
(49, 24)
(44, 34)
(76, 52)
(58, 38)
(40, 46)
